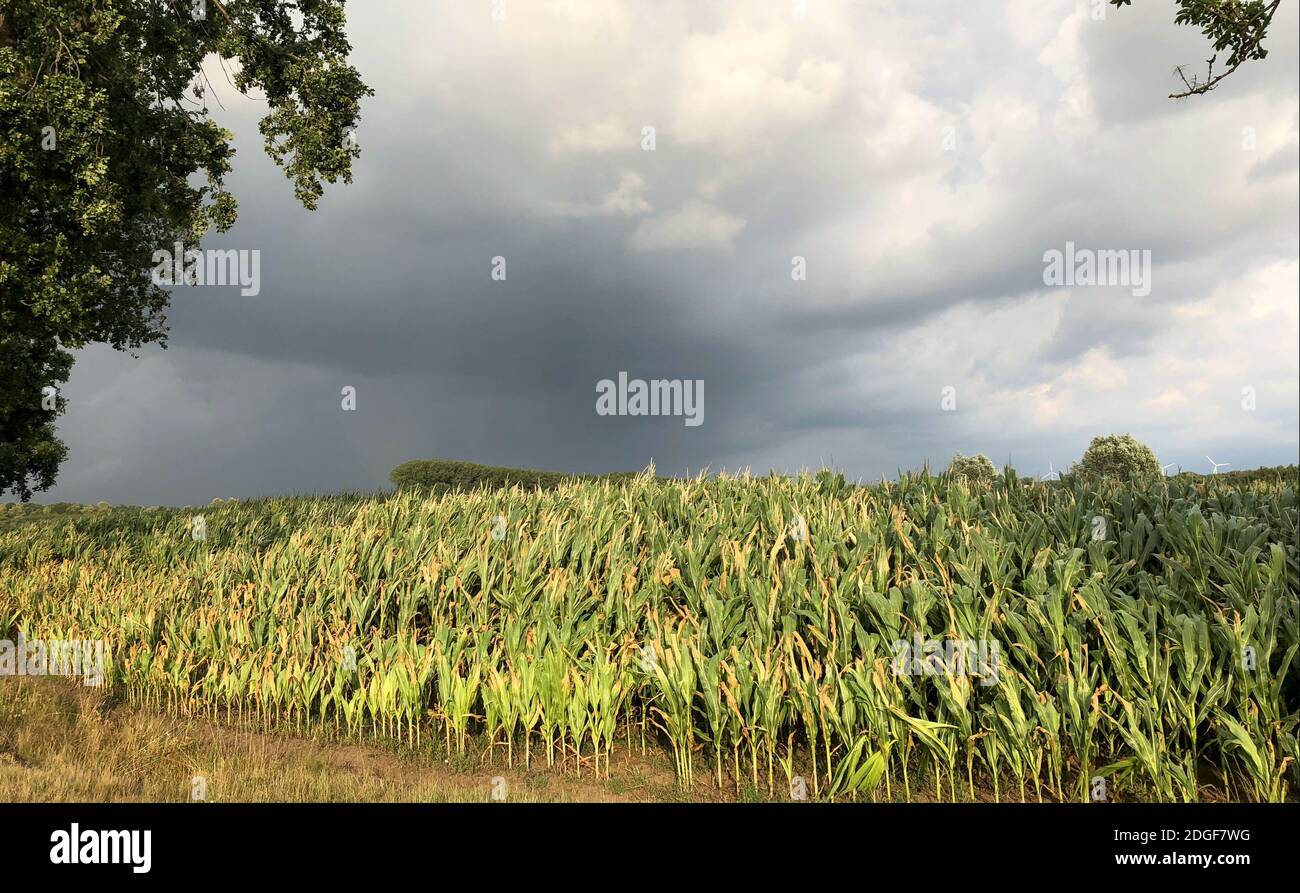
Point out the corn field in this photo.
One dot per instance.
(745, 627)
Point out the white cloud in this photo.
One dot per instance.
(743, 89)
(597, 137)
(695, 225)
(627, 200)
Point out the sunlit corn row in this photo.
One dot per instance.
(748, 626)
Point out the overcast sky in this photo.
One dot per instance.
(921, 156)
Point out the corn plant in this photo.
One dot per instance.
(746, 623)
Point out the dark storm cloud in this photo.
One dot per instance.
(924, 266)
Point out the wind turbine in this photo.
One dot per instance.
(1052, 474)
(1218, 465)
(1165, 468)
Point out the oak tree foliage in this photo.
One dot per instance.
(108, 153)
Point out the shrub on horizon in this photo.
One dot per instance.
(1117, 457)
(440, 475)
(977, 469)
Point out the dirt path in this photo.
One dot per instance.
(62, 742)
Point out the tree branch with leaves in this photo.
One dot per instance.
(1234, 27)
(108, 153)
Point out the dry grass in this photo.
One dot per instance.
(63, 742)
